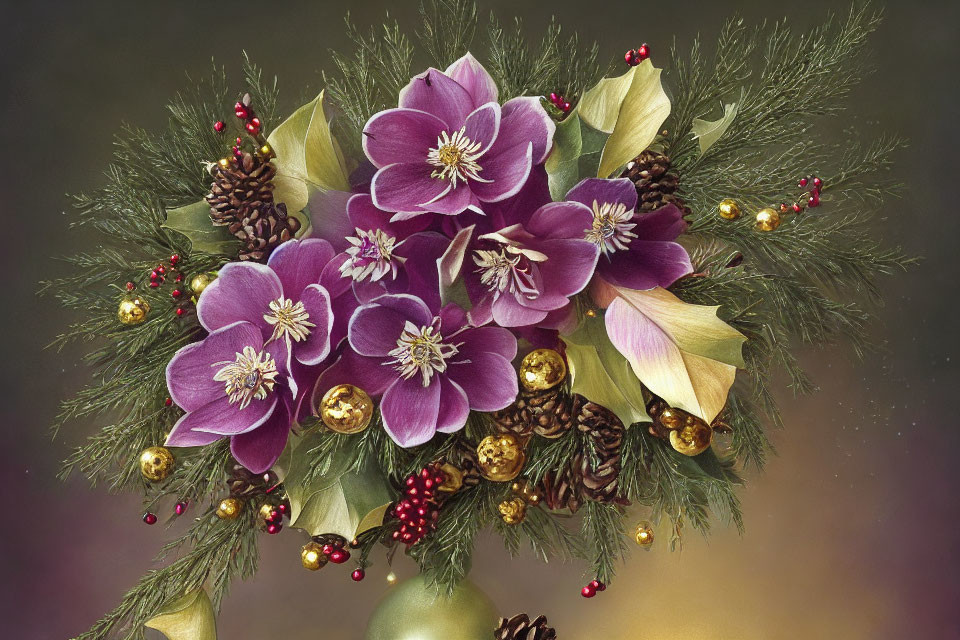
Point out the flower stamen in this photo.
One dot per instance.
(421, 350)
(507, 269)
(371, 256)
(611, 229)
(288, 319)
(252, 376)
(455, 157)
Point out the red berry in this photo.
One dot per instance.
(643, 52)
(358, 575)
(588, 592)
(241, 111)
(797, 208)
(253, 126)
(566, 106)
(817, 182)
(174, 259)
(803, 182)
(630, 57)
(181, 507)
(328, 549)
(283, 508)
(130, 286)
(154, 285)
(219, 126)
(175, 293)
(554, 98)
(274, 528)
(179, 311)
(168, 401)
(814, 199)
(150, 518)
(339, 556)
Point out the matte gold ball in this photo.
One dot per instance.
(312, 556)
(133, 310)
(229, 509)
(644, 534)
(513, 511)
(200, 282)
(500, 457)
(156, 463)
(767, 219)
(542, 369)
(729, 209)
(452, 478)
(346, 409)
(693, 439)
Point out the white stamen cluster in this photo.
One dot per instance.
(288, 319)
(611, 229)
(421, 350)
(252, 376)
(371, 256)
(455, 157)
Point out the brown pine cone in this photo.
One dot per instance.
(561, 488)
(265, 230)
(656, 186)
(521, 627)
(601, 483)
(547, 413)
(464, 458)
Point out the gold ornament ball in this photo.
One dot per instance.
(156, 463)
(500, 457)
(312, 557)
(513, 511)
(229, 509)
(266, 512)
(200, 282)
(346, 409)
(693, 439)
(133, 310)
(644, 534)
(525, 490)
(768, 219)
(729, 209)
(452, 478)
(542, 369)
(671, 418)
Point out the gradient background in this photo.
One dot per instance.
(851, 530)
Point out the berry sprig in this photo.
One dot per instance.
(334, 547)
(272, 516)
(808, 198)
(592, 588)
(244, 111)
(419, 508)
(633, 57)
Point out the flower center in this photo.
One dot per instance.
(611, 228)
(421, 350)
(371, 256)
(455, 157)
(288, 319)
(507, 269)
(252, 376)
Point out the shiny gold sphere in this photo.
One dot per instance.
(693, 439)
(452, 478)
(229, 509)
(542, 369)
(729, 209)
(346, 409)
(526, 491)
(644, 534)
(266, 151)
(312, 557)
(224, 163)
(768, 219)
(133, 310)
(671, 418)
(266, 511)
(513, 511)
(156, 463)
(500, 457)
(200, 282)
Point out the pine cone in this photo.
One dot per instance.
(464, 458)
(547, 413)
(520, 627)
(561, 487)
(265, 230)
(656, 186)
(243, 483)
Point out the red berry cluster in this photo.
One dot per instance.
(633, 57)
(159, 276)
(419, 508)
(559, 102)
(591, 589)
(251, 124)
(334, 549)
(810, 197)
(274, 520)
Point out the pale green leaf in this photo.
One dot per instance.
(707, 132)
(563, 163)
(188, 618)
(600, 105)
(193, 221)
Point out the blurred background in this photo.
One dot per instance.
(852, 529)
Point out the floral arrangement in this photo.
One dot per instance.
(488, 293)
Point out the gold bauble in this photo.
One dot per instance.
(671, 418)
(156, 463)
(225, 163)
(312, 556)
(768, 219)
(693, 439)
(500, 457)
(133, 310)
(542, 369)
(644, 534)
(229, 509)
(525, 490)
(346, 409)
(513, 511)
(266, 151)
(266, 512)
(200, 282)
(729, 209)
(452, 478)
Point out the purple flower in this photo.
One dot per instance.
(233, 384)
(637, 249)
(450, 146)
(431, 369)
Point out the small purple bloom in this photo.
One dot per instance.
(637, 249)
(450, 146)
(431, 369)
(234, 385)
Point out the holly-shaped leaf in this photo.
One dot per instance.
(193, 221)
(707, 132)
(188, 618)
(342, 499)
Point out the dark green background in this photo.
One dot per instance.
(852, 529)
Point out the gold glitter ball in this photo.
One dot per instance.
(229, 509)
(526, 491)
(312, 557)
(729, 209)
(500, 457)
(452, 478)
(133, 310)
(156, 463)
(346, 409)
(513, 511)
(693, 439)
(542, 369)
(200, 282)
(767, 219)
(644, 534)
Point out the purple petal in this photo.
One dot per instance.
(453, 201)
(488, 340)
(471, 75)
(400, 135)
(316, 347)
(646, 265)
(299, 263)
(422, 250)
(570, 265)
(482, 126)
(328, 217)
(410, 411)
(454, 407)
(404, 187)
(507, 172)
(517, 209)
(489, 380)
(508, 312)
(561, 220)
(440, 95)
(241, 292)
(663, 224)
(332, 280)
(370, 374)
(190, 372)
(619, 191)
(259, 449)
(374, 330)
(184, 435)
(524, 121)
(366, 216)
(226, 419)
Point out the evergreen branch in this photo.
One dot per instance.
(448, 29)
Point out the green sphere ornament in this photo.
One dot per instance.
(413, 610)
